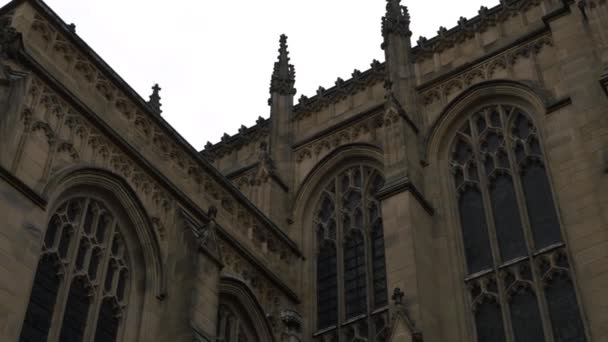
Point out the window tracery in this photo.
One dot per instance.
(82, 279)
(351, 273)
(518, 278)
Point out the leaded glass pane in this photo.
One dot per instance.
(76, 312)
(525, 317)
(563, 309)
(507, 221)
(107, 322)
(42, 301)
(327, 287)
(354, 276)
(488, 321)
(475, 231)
(541, 209)
(379, 266)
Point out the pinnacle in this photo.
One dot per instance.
(284, 74)
(154, 101)
(396, 20)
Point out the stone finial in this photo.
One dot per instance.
(72, 27)
(284, 74)
(154, 101)
(398, 296)
(396, 20)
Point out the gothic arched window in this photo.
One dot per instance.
(81, 285)
(519, 279)
(351, 274)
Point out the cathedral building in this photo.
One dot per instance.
(456, 192)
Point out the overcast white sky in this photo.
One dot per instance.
(214, 58)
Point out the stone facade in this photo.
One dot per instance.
(222, 244)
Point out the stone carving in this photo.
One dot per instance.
(9, 38)
(484, 70)
(154, 101)
(293, 325)
(339, 138)
(284, 74)
(396, 21)
(400, 314)
(140, 116)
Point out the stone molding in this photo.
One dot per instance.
(405, 185)
(87, 67)
(483, 70)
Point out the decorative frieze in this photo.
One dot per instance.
(483, 71)
(349, 134)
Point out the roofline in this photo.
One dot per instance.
(162, 123)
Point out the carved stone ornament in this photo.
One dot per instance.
(154, 101)
(10, 39)
(293, 324)
(396, 20)
(204, 233)
(284, 74)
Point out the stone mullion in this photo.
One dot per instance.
(367, 240)
(487, 204)
(62, 297)
(93, 316)
(339, 257)
(525, 218)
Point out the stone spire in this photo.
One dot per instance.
(154, 101)
(395, 21)
(284, 74)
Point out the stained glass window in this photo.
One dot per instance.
(83, 260)
(348, 224)
(509, 222)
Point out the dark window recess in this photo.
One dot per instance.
(509, 229)
(525, 317)
(541, 209)
(107, 322)
(354, 276)
(327, 287)
(475, 231)
(42, 302)
(379, 266)
(76, 312)
(564, 311)
(488, 320)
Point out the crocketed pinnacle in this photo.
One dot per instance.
(154, 101)
(284, 74)
(396, 20)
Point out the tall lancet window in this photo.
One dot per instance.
(350, 265)
(81, 286)
(519, 279)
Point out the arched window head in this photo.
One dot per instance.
(511, 232)
(81, 286)
(350, 263)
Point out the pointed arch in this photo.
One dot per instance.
(487, 148)
(117, 188)
(240, 304)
